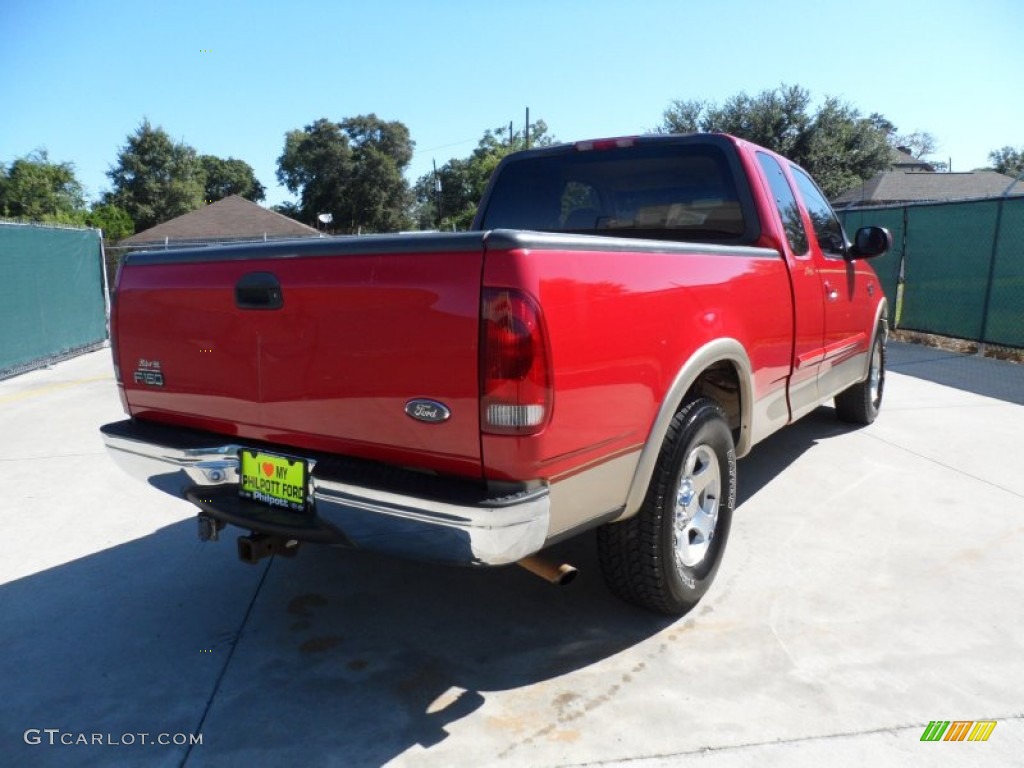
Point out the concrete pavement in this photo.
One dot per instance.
(872, 584)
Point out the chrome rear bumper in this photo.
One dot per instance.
(456, 527)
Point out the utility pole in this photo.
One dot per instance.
(437, 194)
(527, 132)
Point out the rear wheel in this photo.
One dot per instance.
(860, 403)
(666, 556)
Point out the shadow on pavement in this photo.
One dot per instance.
(343, 654)
(366, 657)
(772, 456)
(1000, 379)
(328, 656)
(124, 641)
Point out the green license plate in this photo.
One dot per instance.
(280, 481)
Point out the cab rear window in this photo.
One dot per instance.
(670, 191)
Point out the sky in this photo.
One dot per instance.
(232, 78)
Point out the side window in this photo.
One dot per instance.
(826, 225)
(785, 202)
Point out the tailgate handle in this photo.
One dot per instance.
(259, 290)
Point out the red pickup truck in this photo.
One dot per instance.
(627, 317)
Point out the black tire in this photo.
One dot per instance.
(860, 403)
(642, 559)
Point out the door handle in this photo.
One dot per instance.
(259, 290)
(830, 293)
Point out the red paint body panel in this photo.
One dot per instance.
(621, 326)
(806, 291)
(357, 337)
(361, 333)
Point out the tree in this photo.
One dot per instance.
(835, 144)
(289, 209)
(448, 199)
(115, 222)
(35, 188)
(842, 149)
(880, 122)
(463, 180)
(352, 170)
(222, 178)
(155, 179)
(776, 119)
(314, 165)
(1008, 160)
(919, 143)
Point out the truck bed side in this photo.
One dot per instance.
(624, 317)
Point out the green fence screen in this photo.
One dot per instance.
(962, 266)
(887, 266)
(1005, 316)
(949, 249)
(52, 295)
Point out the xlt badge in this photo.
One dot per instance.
(149, 373)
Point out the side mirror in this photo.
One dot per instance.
(870, 241)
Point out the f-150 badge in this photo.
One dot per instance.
(429, 411)
(149, 373)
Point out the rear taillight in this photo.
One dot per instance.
(515, 366)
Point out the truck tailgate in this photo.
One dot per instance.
(318, 345)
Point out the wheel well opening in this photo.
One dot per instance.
(721, 382)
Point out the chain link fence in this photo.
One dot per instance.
(956, 269)
(116, 253)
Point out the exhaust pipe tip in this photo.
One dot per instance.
(566, 574)
(559, 574)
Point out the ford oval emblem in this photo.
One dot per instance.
(429, 411)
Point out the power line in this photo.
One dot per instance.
(443, 146)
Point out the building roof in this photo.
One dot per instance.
(892, 187)
(903, 160)
(233, 217)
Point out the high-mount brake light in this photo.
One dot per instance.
(515, 365)
(587, 146)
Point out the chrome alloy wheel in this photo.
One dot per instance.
(696, 508)
(875, 375)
